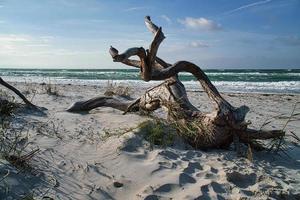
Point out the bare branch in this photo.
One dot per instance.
(162, 62)
(114, 102)
(151, 27)
(250, 134)
(184, 66)
(135, 51)
(133, 63)
(17, 92)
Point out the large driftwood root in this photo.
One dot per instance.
(217, 129)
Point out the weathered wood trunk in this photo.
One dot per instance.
(17, 92)
(217, 129)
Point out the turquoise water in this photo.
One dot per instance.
(248, 80)
(133, 74)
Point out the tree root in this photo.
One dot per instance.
(203, 130)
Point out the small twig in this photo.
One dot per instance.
(6, 175)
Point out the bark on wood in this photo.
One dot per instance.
(216, 129)
(114, 102)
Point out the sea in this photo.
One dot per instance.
(227, 80)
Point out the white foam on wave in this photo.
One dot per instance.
(223, 86)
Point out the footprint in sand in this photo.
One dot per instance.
(241, 180)
(185, 179)
(205, 192)
(205, 171)
(164, 165)
(190, 155)
(156, 197)
(214, 170)
(216, 188)
(169, 155)
(192, 167)
(166, 188)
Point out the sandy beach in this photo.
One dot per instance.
(103, 155)
(203, 100)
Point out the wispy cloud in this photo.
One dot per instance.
(200, 24)
(198, 44)
(11, 44)
(13, 38)
(135, 8)
(247, 6)
(166, 18)
(22, 39)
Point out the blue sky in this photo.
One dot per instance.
(212, 34)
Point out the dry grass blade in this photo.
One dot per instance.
(188, 128)
(271, 119)
(291, 116)
(7, 105)
(21, 162)
(114, 89)
(51, 89)
(5, 176)
(293, 135)
(249, 153)
(279, 144)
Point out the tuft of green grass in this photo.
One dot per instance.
(12, 149)
(13, 142)
(6, 108)
(7, 105)
(156, 132)
(190, 129)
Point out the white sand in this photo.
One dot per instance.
(82, 156)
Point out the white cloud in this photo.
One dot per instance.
(37, 45)
(24, 40)
(11, 44)
(13, 38)
(166, 18)
(248, 6)
(47, 51)
(198, 44)
(135, 8)
(200, 24)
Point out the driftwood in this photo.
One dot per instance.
(218, 129)
(17, 92)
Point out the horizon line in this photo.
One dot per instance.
(135, 69)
